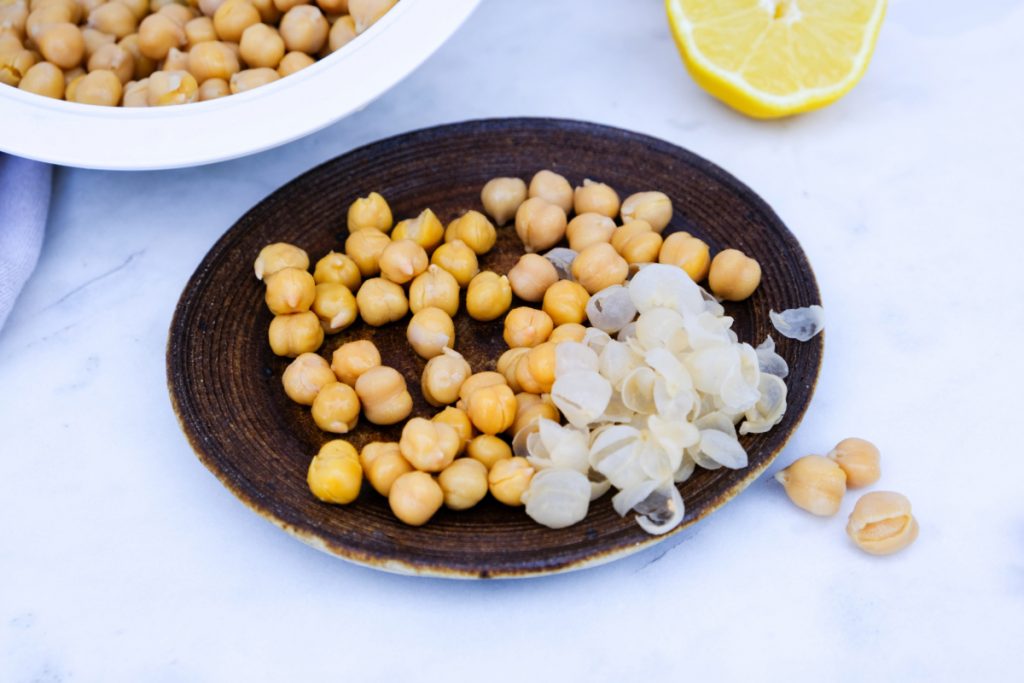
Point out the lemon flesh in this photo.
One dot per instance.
(772, 58)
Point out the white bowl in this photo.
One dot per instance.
(127, 138)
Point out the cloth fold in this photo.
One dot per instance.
(24, 205)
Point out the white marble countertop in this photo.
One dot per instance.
(122, 558)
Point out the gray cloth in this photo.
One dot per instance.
(24, 204)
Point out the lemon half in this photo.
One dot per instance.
(772, 58)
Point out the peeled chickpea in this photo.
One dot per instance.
(567, 332)
(488, 449)
(733, 275)
(115, 59)
(367, 12)
(859, 459)
(303, 28)
(171, 87)
(535, 373)
(365, 247)
(540, 224)
(599, 266)
(458, 259)
(388, 466)
(335, 475)
(479, 380)
(415, 497)
(248, 79)
(552, 188)
(176, 60)
(142, 65)
(689, 253)
(199, 30)
(530, 408)
(637, 242)
(384, 396)
(113, 18)
(489, 295)
(136, 94)
(426, 230)
(594, 197)
(430, 331)
(62, 45)
(402, 260)
(815, 484)
(352, 359)
(337, 268)
(158, 33)
(381, 302)
(501, 197)
(653, 207)
(335, 306)
(881, 523)
(261, 45)
(99, 87)
(43, 79)
(371, 211)
(336, 408)
(566, 302)
(492, 409)
(233, 17)
(13, 65)
(342, 32)
(525, 326)
(464, 483)
(294, 334)
(474, 230)
(509, 478)
(443, 376)
(435, 287)
(305, 377)
(457, 419)
(508, 363)
(428, 446)
(212, 60)
(290, 290)
(212, 88)
(531, 277)
(278, 256)
(589, 228)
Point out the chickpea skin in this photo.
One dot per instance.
(552, 188)
(859, 459)
(594, 197)
(402, 260)
(540, 224)
(336, 408)
(689, 253)
(508, 480)
(430, 331)
(426, 230)
(386, 468)
(637, 242)
(589, 228)
(566, 302)
(599, 266)
(492, 409)
(371, 211)
(261, 46)
(488, 297)
(384, 395)
(381, 302)
(488, 449)
(305, 377)
(474, 230)
(290, 291)
(733, 275)
(464, 483)
(295, 334)
(428, 446)
(365, 248)
(881, 523)
(304, 29)
(653, 207)
(443, 376)
(501, 197)
(337, 268)
(415, 497)
(458, 259)
(525, 326)
(815, 484)
(335, 306)
(531, 277)
(434, 287)
(278, 256)
(335, 475)
(352, 359)
(459, 421)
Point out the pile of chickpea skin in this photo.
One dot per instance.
(146, 53)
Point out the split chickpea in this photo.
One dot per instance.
(881, 523)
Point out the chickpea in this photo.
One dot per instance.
(335, 306)
(158, 34)
(269, 14)
(212, 88)
(540, 224)
(278, 256)
(199, 30)
(689, 253)
(13, 18)
(212, 60)
(430, 331)
(531, 277)
(733, 275)
(464, 483)
(89, 5)
(352, 359)
(295, 334)
(305, 377)
(285, 5)
(336, 408)
(290, 290)
(177, 12)
(859, 459)
(209, 7)
(474, 230)
(402, 260)
(71, 87)
(653, 207)
(881, 523)
(365, 248)
(530, 408)
(42, 16)
(99, 87)
(443, 376)
(566, 302)
(567, 331)
(94, 40)
(142, 65)
(384, 396)
(304, 29)
(13, 66)
(337, 268)
(815, 484)
(535, 372)
(457, 419)
(492, 409)
(589, 228)
(342, 32)
(501, 198)
(371, 211)
(136, 94)
(415, 497)
(488, 449)
(637, 242)
(261, 46)
(335, 7)
(426, 230)
(62, 45)
(43, 79)
(233, 17)
(171, 87)
(525, 326)
(386, 468)
(139, 8)
(594, 197)
(434, 287)
(334, 473)
(176, 60)
(72, 75)
(509, 478)
(428, 446)
(489, 295)
(381, 302)
(294, 62)
(248, 79)
(366, 13)
(552, 188)
(113, 18)
(458, 259)
(477, 381)
(9, 41)
(599, 266)
(508, 363)
(115, 59)
(374, 450)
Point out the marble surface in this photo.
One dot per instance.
(122, 558)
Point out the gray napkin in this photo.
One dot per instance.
(24, 204)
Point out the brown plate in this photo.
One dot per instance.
(225, 382)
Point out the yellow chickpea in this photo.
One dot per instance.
(261, 46)
(508, 364)
(164, 88)
(278, 256)
(434, 287)
(508, 480)
(428, 446)
(552, 188)
(492, 409)
(100, 87)
(61, 44)
(304, 29)
(488, 449)
(371, 211)
(337, 268)
(381, 302)
(294, 62)
(176, 60)
(335, 475)
(352, 359)
(402, 260)
(525, 326)
(143, 66)
(531, 277)
(367, 12)
(305, 377)
(115, 59)
(178, 12)
(689, 253)
(815, 484)
(881, 523)
(489, 295)
(589, 228)
(269, 13)
(637, 242)
(464, 483)
(43, 79)
(365, 248)
(567, 332)
(336, 408)
(599, 266)
(459, 421)
(233, 17)
(443, 376)
(212, 59)
(653, 207)
(199, 30)
(540, 224)
(458, 259)
(415, 497)
(479, 380)
(295, 334)
(384, 396)
(374, 450)
(290, 290)
(426, 230)
(136, 94)
(342, 32)
(335, 306)
(386, 468)
(113, 18)
(212, 88)
(594, 197)
(733, 275)
(15, 64)
(430, 331)
(158, 33)
(859, 459)
(474, 230)
(247, 79)
(535, 372)
(530, 408)
(501, 197)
